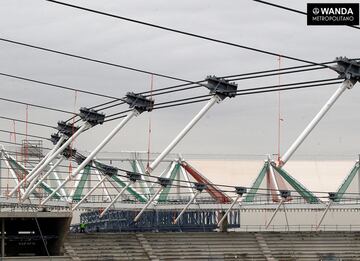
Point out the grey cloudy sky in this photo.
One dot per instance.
(245, 125)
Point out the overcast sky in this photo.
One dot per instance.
(243, 125)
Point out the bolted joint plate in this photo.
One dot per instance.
(139, 102)
(221, 87)
(80, 158)
(106, 169)
(67, 129)
(68, 153)
(133, 176)
(285, 193)
(200, 186)
(91, 116)
(332, 196)
(54, 138)
(347, 69)
(240, 190)
(164, 182)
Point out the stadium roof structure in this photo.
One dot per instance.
(271, 181)
(350, 186)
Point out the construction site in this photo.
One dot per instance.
(127, 157)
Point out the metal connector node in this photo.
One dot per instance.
(200, 186)
(54, 138)
(347, 69)
(240, 190)
(106, 169)
(139, 102)
(164, 182)
(79, 158)
(67, 129)
(332, 196)
(68, 153)
(285, 194)
(133, 176)
(91, 116)
(221, 87)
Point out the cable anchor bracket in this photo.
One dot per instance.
(91, 116)
(139, 102)
(221, 87)
(347, 69)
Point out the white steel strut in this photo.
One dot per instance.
(199, 187)
(56, 153)
(35, 183)
(221, 89)
(188, 127)
(89, 193)
(332, 197)
(239, 191)
(347, 84)
(349, 70)
(164, 182)
(284, 195)
(90, 157)
(32, 174)
(139, 104)
(115, 199)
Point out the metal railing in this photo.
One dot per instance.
(297, 228)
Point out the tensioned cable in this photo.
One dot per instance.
(253, 92)
(248, 76)
(166, 88)
(28, 122)
(19, 144)
(95, 60)
(58, 86)
(37, 106)
(212, 184)
(23, 134)
(183, 32)
(256, 90)
(183, 87)
(292, 10)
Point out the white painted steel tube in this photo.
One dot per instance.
(89, 193)
(181, 135)
(273, 215)
(323, 215)
(187, 206)
(228, 211)
(32, 174)
(148, 204)
(61, 149)
(272, 177)
(94, 152)
(115, 199)
(344, 85)
(32, 186)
